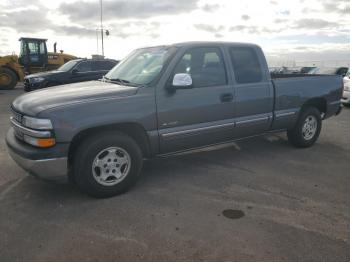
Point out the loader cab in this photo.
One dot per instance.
(33, 52)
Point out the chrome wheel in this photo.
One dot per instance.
(111, 166)
(309, 127)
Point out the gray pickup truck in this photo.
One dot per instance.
(160, 101)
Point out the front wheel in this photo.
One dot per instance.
(8, 79)
(107, 164)
(307, 128)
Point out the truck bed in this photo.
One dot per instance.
(292, 90)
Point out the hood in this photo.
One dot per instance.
(45, 74)
(34, 102)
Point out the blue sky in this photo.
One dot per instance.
(297, 30)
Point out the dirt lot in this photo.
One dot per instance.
(292, 205)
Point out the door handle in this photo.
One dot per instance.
(227, 97)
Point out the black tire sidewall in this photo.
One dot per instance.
(86, 153)
(13, 82)
(296, 136)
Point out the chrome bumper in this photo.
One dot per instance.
(346, 97)
(50, 169)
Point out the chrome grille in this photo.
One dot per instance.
(17, 116)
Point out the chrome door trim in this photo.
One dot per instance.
(194, 130)
(252, 120)
(284, 114)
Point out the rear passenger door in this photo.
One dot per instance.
(203, 114)
(102, 67)
(253, 89)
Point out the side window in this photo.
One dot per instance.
(103, 65)
(42, 48)
(84, 66)
(33, 48)
(246, 65)
(205, 65)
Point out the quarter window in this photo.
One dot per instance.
(205, 65)
(246, 65)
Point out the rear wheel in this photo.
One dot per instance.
(8, 79)
(107, 164)
(307, 128)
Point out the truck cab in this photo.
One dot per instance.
(33, 52)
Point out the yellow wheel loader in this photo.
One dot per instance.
(33, 58)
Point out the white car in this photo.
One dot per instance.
(346, 94)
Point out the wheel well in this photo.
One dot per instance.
(319, 103)
(135, 131)
(11, 69)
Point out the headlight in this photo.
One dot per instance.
(37, 123)
(36, 79)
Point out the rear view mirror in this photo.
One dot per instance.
(182, 80)
(74, 71)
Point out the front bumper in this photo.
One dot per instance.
(48, 164)
(33, 86)
(50, 169)
(346, 97)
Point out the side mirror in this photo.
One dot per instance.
(182, 81)
(74, 71)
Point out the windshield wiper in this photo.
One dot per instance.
(117, 80)
(120, 81)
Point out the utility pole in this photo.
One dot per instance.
(103, 51)
(97, 47)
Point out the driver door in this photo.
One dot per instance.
(200, 115)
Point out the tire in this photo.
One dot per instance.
(27, 89)
(303, 134)
(96, 155)
(8, 79)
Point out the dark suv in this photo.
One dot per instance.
(77, 70)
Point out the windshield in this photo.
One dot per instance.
(67, 66)
(142, 66)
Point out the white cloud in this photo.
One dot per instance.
(298, 29)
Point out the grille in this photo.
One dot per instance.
(26, 82)
(17, 116)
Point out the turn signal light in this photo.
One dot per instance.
(39, 142)
(46, 142)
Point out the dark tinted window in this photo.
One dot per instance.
(205, 65)
(103, 65)
(246, 65)
(84, 66)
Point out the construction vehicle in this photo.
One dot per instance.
(33, 58)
